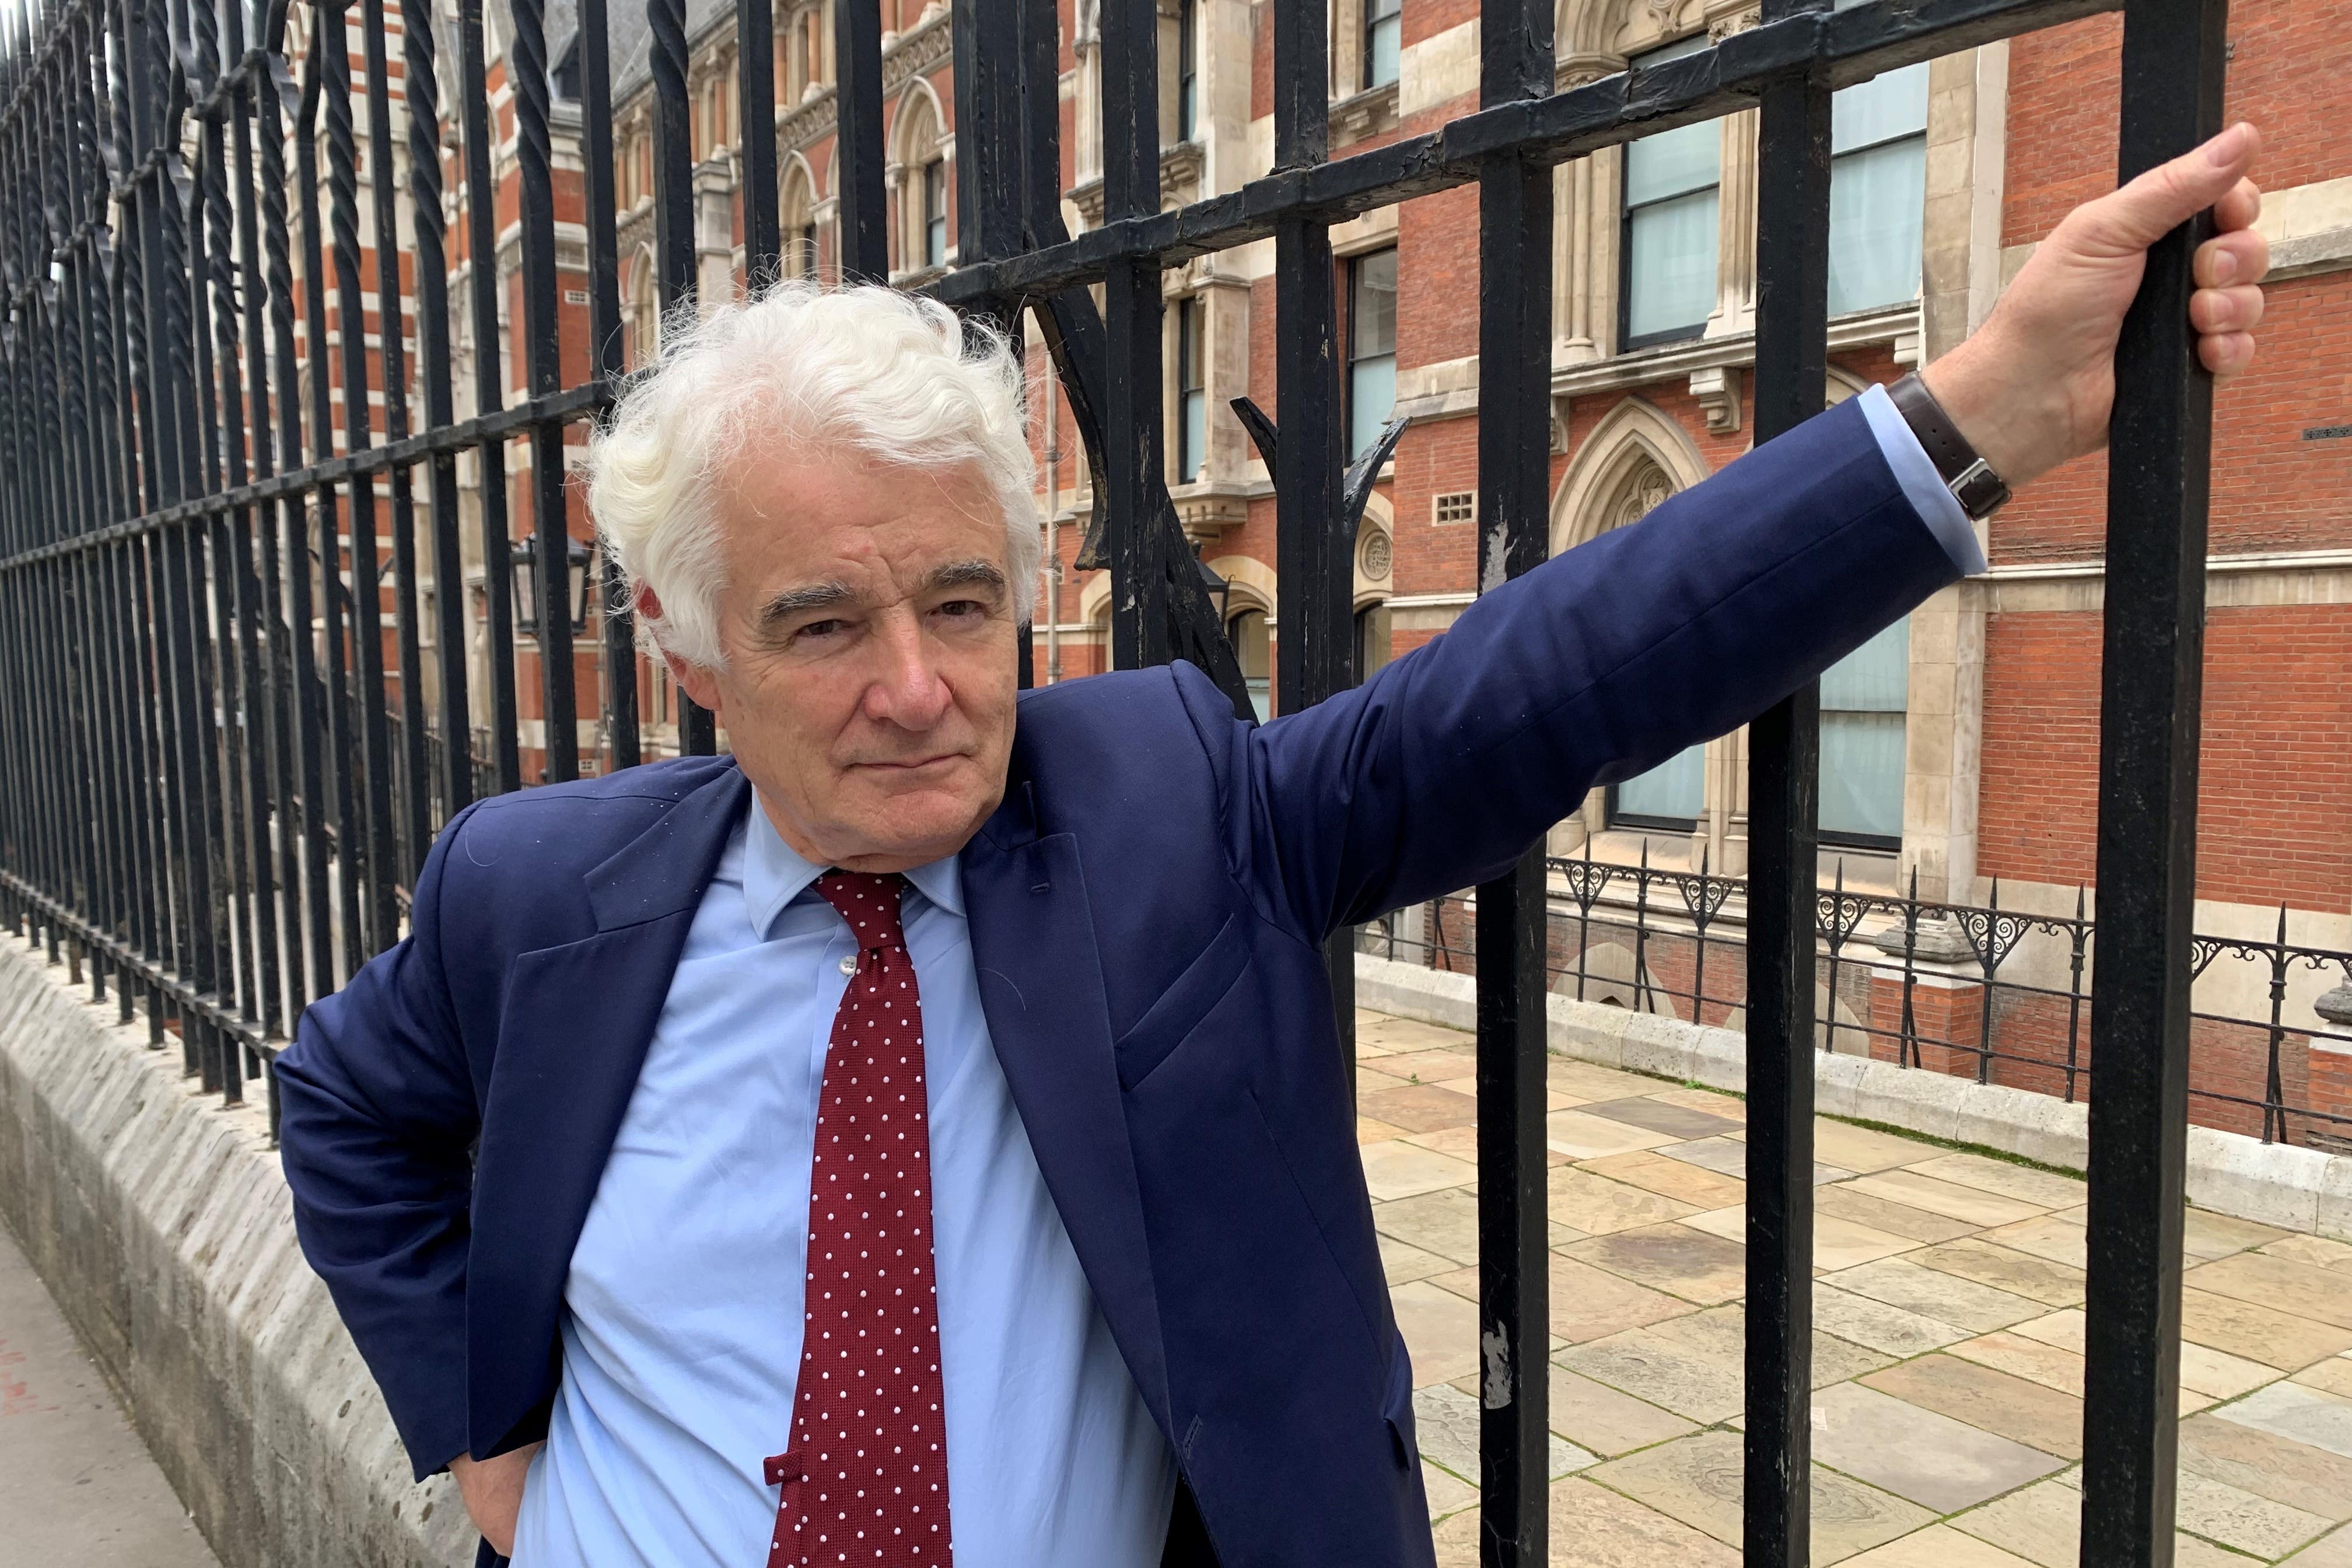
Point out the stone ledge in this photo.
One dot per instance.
(2297, 1189)
(160, 1224)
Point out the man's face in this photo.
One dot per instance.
(869, 632)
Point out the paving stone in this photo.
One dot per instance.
(1580, 1135)
(2049, 1236)
(1456, 1541)
(1370, 1131)
(1588, 1303)
(2335, 1552)
(1728, 1156)
(2319, 1294)
(1596, 1206)
(1902, 1282)
(2214, 1374)
(2318, 1251)
(1919, 1453)
(1937, 1546)
(1994, 1401)
(1418, 1107)
(2298, 1413)
(2264, 1333)
(2036, 1361)
(2038, 1279)
(2205, 1234)
(1889, 1330)
(2333, 1375)
(2043, 1524)
(2237, 1518)
(1677, 1179)
(1440, 1329)
(1435, 1065)
(1396, 1034)
(1695, 1365)
(1712, 1102)
(1445, 1421)
(1842, 1201)
(1596, 1417)
(2043, 1189)
(1462, 1142)
(1446, 1493)
(1397, 1170)
(1402, 1263)
(1587, 1081)
(1445, 1223)
(1663, 1116)
(2268, 1465)
(1861, 1149)
(1593, 1526)
(1688, 1263)
(1697, 1479)
(1837, 1243)
(1950, 1199)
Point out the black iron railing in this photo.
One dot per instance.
(174, 463)
(1998, 994)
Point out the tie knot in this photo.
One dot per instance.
(870, 902)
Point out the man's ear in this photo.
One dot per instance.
(692, 679)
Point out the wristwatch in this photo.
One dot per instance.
(1979, 490)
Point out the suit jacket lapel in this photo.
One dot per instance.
(1041, 988)
(570, 1044)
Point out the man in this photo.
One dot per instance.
(922, 1136)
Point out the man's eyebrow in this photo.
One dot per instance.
(973, 573)
(789, 602)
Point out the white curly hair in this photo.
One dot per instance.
(864, 370)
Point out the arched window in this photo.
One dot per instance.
(641, 318)
(1672, 795)
(923, 189)
(798, 208)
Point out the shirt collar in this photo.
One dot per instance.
(774, 874)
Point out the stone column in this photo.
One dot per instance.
(1943, 742)
(1735, 270)
(1584, 234)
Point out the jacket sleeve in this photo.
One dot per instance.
(1441, 769)
(377, 1117)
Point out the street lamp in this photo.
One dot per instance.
(525, 577)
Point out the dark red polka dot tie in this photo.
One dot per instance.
(866, 1478)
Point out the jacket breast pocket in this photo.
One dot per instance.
(1181, 1007)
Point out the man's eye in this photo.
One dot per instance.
(820, 628)
(964, 608)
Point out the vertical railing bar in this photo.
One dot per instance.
(1791, 365)
(490, 395)
(2158, 470)
(619, 620)
(1132, 314)
(1515, 235)
(674, 263)
(861, 213)
(755, 62)
(528, 67)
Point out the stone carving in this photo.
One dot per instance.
(1376, 553)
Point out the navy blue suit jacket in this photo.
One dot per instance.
(1146, 912)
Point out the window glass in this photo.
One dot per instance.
(935, 213)
(1371, 346)
(1192, 411)
(1253, 647)
(1672, 181)
(1371, 640)
(1673, 794)
(1864, 696)
(1877, 190)
(1383, 41)
(1188, 71)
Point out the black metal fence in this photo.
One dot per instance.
(2001, 995)
(188, 799)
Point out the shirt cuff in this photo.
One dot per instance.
(1923, 487)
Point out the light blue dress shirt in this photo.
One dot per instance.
(1923, 487)
(682, 1326)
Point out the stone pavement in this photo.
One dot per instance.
(75, 1484)
(1947, 1355)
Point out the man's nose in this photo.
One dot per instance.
(906, 689)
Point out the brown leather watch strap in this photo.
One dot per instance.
(1968, 477)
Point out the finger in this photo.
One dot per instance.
(2243, 257)
(2239, 207)
(2168, 196)
(2226, 354)
(2213, 310)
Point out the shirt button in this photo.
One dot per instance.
(849, 964)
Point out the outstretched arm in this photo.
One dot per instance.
(1438, 771)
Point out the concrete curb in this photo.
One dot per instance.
(161, 1225)
(2294, 1189)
